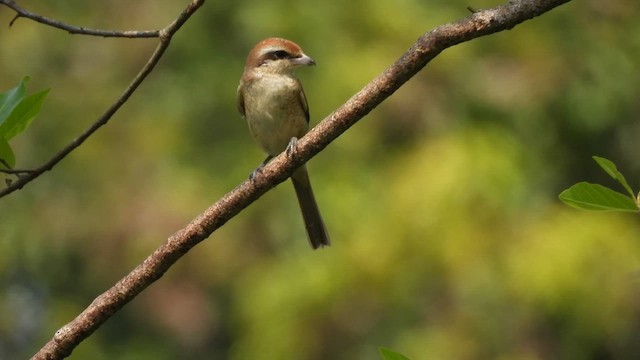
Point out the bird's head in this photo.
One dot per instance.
(277, 55)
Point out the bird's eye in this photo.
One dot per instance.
(280, 54)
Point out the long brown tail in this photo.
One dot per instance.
(316, 231)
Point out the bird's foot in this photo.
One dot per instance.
(257, 171)
(291, 148)
(254, 173)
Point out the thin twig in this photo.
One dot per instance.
(9, 170)
(23, 13)
(16, 171)
(431, 44)
(165, 38)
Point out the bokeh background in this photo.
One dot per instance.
(449, 241)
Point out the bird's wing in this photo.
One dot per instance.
(240, 100)
(303, 102)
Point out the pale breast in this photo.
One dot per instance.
(274, 112)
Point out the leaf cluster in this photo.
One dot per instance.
(588, 196)
(17, 111)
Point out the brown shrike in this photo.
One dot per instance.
(272, 101)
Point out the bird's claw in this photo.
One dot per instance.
(291, 148)
(254, 173)
(257, 171)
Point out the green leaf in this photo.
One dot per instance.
(612, 170)
(588, 196)
(11, 98)
(388, 354)
(6, 154)
(22, 115)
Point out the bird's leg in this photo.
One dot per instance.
(255, 172)
(291, 148)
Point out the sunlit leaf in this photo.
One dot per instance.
(6, 155)
(23, 114)
(588, 196)
(612, 170)
(11, 98)
(388, 354)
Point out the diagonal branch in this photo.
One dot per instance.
(165, 38)
(21, 12)
(427, 47)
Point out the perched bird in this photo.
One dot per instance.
(272, 101)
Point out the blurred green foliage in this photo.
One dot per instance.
(448, 237)
(388, 354)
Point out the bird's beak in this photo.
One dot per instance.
(303, 60)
